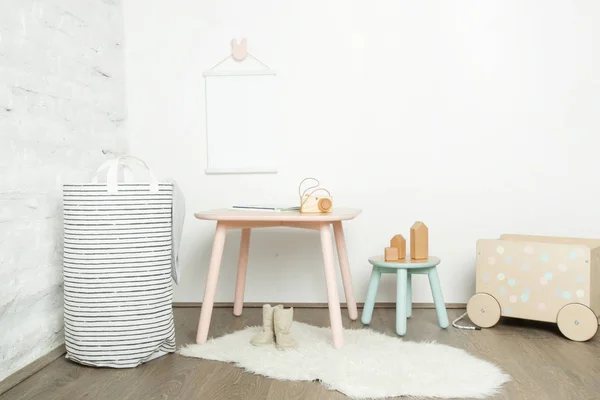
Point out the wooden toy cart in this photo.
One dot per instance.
(540, 278)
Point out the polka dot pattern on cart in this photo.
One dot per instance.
(573, 254)
(562, 267)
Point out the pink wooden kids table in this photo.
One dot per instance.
(246, 220)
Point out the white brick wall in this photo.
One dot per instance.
(61, 110)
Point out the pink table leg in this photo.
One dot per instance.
(335, 315)
(240, 283)
(211, 282)
(340, 242)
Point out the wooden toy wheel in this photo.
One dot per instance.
(325, 204)
(577, 322)
(483, 310)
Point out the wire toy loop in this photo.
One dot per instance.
(303, 196)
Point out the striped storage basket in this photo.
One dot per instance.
(117, 270)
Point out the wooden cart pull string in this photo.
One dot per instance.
(454, 324)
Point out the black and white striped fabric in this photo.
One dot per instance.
(117, 274)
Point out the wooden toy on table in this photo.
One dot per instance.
(399, 243)
(315, 199)
(419, 241)
(541, 278)
(391, 254)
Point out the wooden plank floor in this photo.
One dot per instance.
(542, 363)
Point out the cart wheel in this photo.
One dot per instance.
(577, 322)
(483, 310)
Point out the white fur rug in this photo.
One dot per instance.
(369, 366)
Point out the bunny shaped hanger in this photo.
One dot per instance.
(239, 51)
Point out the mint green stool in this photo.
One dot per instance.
(404, 269)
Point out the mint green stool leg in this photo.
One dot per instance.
(438, 298)
(409, 295)
(401, 300)
(371, 295)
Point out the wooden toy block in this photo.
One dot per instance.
(419, 241)
(399, 242)
(391, 254)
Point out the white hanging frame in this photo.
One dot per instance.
(215, 72)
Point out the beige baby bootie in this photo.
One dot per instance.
(283, 326)
(267, 334)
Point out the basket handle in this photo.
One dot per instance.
(112, 174)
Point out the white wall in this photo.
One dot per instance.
(478, 118)
(61, 105)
